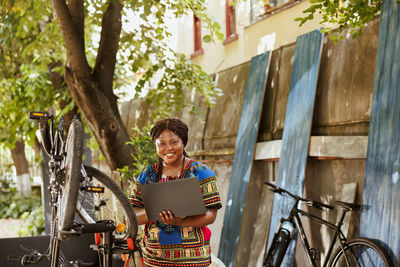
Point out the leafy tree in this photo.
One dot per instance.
(92, 85)
(45, 36)
(28, 59)
(24, 73)
(345, 15)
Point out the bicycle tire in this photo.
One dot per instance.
(362, 251)
(110, 205)
(278, 248)
(70, 188)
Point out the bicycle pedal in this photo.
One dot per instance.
(315, 254)
(93, 189)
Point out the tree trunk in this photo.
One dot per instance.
(104, 121)
(21, 166)
(92, 91)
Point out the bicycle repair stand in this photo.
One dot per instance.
(109, 246)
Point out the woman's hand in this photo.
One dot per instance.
(168, 217)
(201, 220)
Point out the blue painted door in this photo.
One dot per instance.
(243, 159)
(380, 218)
(297, 126)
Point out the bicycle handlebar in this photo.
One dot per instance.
(309, 202)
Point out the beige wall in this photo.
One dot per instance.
(269, 33)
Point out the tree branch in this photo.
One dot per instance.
(73, 39)
(77, 10)
(108, 48)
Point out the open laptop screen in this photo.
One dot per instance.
(182, 197)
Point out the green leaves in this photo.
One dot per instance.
(213, 28)
(30, 91)
(166, 77)
(27, 48)
(31, 40)
(178, 79)
(145, 152)
(12, 205)
(27, 208)
(34, 220)
(346, 15)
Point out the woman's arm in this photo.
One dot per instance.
(196, 220)
(141, 216)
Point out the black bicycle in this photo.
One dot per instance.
(82, 200)
(361, 252)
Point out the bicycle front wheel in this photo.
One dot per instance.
(100, 198)
(361, 252)
(70, 188)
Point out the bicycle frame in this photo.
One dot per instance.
(294, 219)
(55, 146)
(346, 253)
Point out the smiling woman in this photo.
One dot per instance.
(171, 241)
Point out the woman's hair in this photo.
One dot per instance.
(176, 126)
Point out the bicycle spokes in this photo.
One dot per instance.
(360, 255)
(97, 203)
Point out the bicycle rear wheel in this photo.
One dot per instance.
(100, 198)
(361, 252)
(278, 248)
(70, 188)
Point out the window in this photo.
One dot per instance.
(230, 21)
(198, 50)
(261, 8)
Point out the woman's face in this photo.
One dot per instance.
(169, 147)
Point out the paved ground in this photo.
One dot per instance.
(9, 227)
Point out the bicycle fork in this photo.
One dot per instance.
(279, 244)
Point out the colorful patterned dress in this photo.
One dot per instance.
(184, 246)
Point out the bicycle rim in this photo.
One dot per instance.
(361, 252)
(73, 163)
(106, 201)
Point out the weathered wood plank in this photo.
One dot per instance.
(268, 150)
(243, 158)
(381, 193)
(297, 127)
(344, 147)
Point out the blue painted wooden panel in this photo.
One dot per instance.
(381, 195)
(243, 159)
(297, 126)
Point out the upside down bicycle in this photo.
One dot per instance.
(82, 199)
(360, 252)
